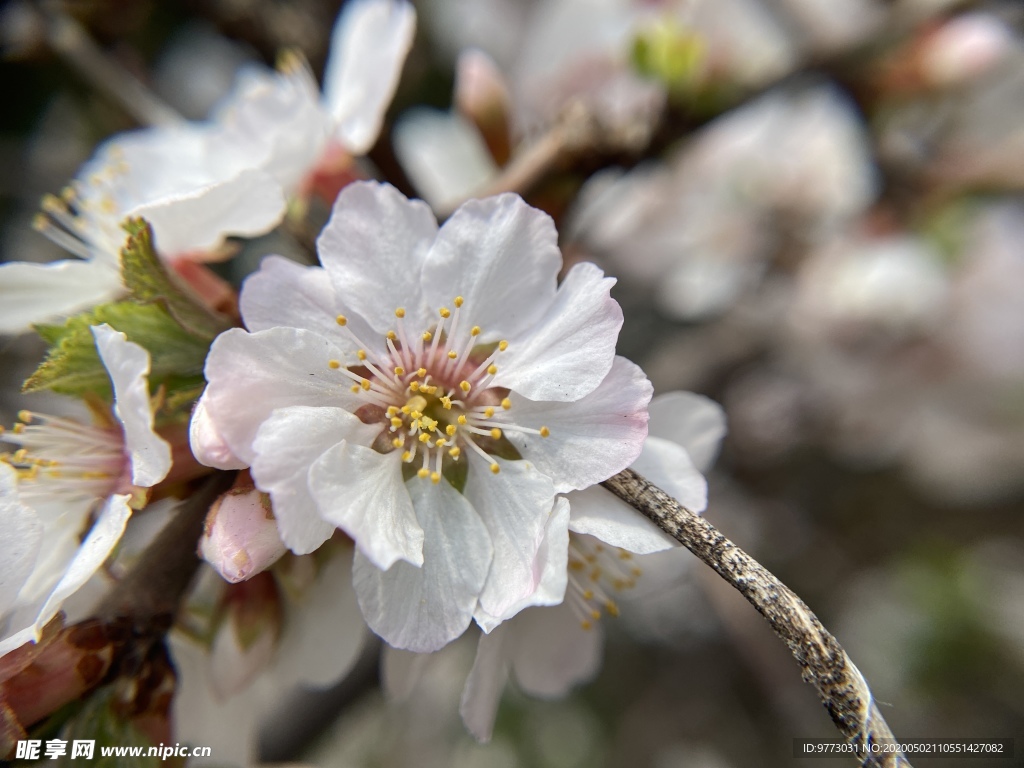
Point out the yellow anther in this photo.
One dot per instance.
(612, 608)
(391, 335)
(637, 572)
(450, 430)
(446, 402)
(464, 385)
(586, 625)
(435, 477)
(430, 390)
(495, 468)
(595, 614)
(462, 419)
(624, 555)
(427, 336)
(439, 442)
(545, 432)
(396, 422)
(474, 331)
(576, 565)
(488, 412)
(399, 370)
(588, 594)
(492, 369)
(406, 409)
(398, 442)
(414, 385)
(392, 410)
(341, 320)
(335, 364)
(506, 403)
(365, 384)
(25, 416)
(595, 575)
(428, 423)
(416, 414)
(421, 372)
(495, 433)
(424, 437)
(454, 451)
(400, 312)
(458, 301)
(407, 456)
(355, 387)
(361, 354)
(445, 312)
(423, 472)
(502, 345)
(452, 354)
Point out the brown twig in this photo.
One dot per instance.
(826, 666)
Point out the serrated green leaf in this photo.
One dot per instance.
(73, 366)
(149, 282)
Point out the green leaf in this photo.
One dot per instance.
(148, 282)
(73, 366)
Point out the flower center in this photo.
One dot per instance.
(432, 391)
(60, 458)
(597, 571)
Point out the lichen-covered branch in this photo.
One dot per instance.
(825, 665)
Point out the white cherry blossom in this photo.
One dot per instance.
(429, 391)
(69, 479)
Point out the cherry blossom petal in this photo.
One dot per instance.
(370, 41)
(515, 505)
(668, 465)
(285, 447)
(361, 491)
(551, 652)
(502, 257)
(551, 563)
(443, 155)
(572, 346)
(693, 421)
(275, 368)
(591, 439)
(602, 514)
(22, 534)
(206, 442)
(373, 248)
(485, 683)
(423, 609)
(128, 366)
(39, 293)
(247, 204)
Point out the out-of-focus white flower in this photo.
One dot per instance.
(308, 633)
(429, 391)
(549, 650)
(199, 183)
(64, 476)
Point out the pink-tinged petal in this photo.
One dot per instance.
(485, 684)
(668, 466)
(368, 48)
(324, 632)
(551, 652)
(571, 348)
(22, 534)
(423, 609)
(502, 257)
(103, 537)
(602, 514)
(287, 444)
(40, 293)
(206, 442)
(128, 366)
(240, 537)
(551, 563)
(590, 439)
(361, 491)
(515, 505)
(693, 421)
(276, 368)
(401, 671)
(443, 155)
(246, 204)
(373, 248)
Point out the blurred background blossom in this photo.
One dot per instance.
(816, 218)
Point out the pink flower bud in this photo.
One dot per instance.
(964, 48)
(208, 446)
(481, 95)
(240, 537)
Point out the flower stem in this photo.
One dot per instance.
(826, 666)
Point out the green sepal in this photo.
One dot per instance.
(73, 366)
(97, 720)
(148, 282)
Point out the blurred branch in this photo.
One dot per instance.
(826, 666)
(69, 40)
